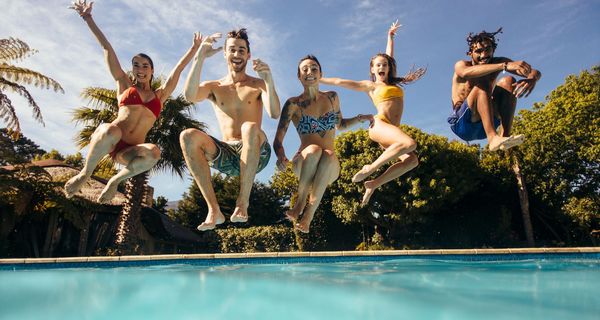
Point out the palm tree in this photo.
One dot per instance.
(12, 78)
(174, 118)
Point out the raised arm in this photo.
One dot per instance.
(169, 85)
(269, 95)
(389, 49)
(85, 11)
(282, 127)
(193, 90)
(364, 85)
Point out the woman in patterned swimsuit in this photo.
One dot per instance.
(388, 97)
(139, 106)
(316, 115)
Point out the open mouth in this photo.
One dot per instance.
(237, 62)
(381, 74)
(310, 78)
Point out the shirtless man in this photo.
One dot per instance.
(480, 103)
(238, 100)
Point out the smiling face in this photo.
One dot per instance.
(309, 72)
(236, 54)
(380, 69)
(142, 69)
(482, 52)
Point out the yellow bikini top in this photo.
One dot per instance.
(384, 93)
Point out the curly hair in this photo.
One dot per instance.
(473, 39)
(239, 34)
(412, 75)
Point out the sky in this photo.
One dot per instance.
(557, 37)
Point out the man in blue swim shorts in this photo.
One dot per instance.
(238, 100)
(480, 103)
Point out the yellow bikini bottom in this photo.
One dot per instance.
(383, 118)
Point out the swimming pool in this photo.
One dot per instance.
(448, 286)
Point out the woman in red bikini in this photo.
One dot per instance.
(139, 107)
(388, 97)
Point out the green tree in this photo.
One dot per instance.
(446, 173)
(174, 118)
(160, 204)
(12, 78)
(265, 206)
(15, 151)
(561, 157)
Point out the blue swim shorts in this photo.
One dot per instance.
(461, 125)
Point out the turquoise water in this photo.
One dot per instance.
(391, 289)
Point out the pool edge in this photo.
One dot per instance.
(262, 255)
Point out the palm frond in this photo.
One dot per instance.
(101, 98)
(7, 112)
(27, 76)
(14, 49)
(21, 90)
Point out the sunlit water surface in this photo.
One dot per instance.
(392, 289)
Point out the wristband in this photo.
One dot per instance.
(504, 67)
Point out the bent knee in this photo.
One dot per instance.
(506, 81)
(191, 136)
(154, 153)
(109, 130)
(313, 150)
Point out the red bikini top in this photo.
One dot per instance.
(131, 96)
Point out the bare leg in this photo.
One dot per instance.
(407, 162)
(305, 168)
(197, 147)
(137, 159)
(252, 139)
(395, 141)
(505, 103)
(102, 142)
(481, 104)
(327, 172)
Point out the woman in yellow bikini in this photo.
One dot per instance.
(387, 95)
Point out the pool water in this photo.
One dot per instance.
(406, 288)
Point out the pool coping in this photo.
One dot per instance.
(262, 255)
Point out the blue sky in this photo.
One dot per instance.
(557, 37)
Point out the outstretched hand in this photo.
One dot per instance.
(282, 163)
(394, 28)
(206, 47)
(366, 117)
(523, 87)
(82, 7)
(262, 69)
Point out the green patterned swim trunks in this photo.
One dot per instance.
(228, 159)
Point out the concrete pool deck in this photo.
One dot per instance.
(201, 256)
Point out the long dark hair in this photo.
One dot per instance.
(412, 75)
(147, 57)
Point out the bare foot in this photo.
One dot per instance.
(505, 143)
(108, 193)
(362, 174)
(74, 184)
(294, 213)
(369, 190)
(302, 226)
(239, 215)
(211, 221)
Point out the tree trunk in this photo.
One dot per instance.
(84, 234)
(524, 200)
(50, 234)
(127, 240)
